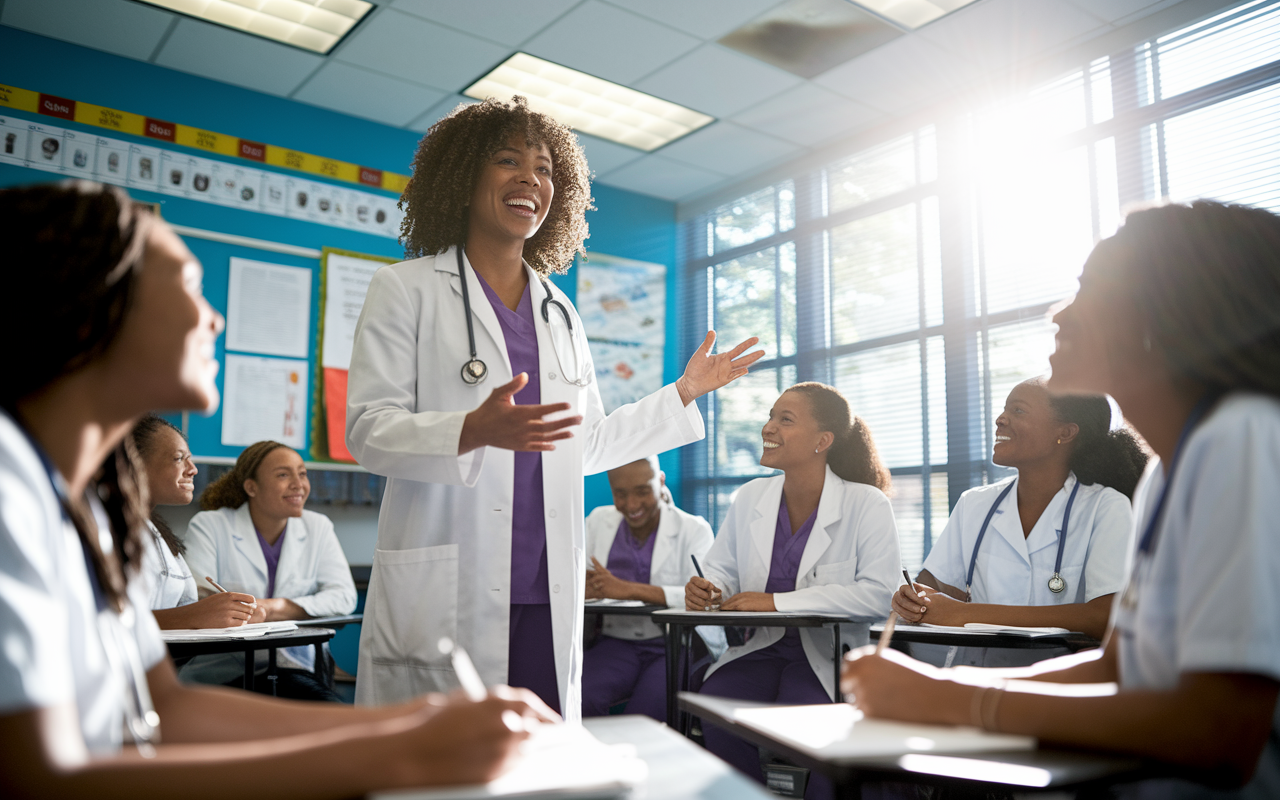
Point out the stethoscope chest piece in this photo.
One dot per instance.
(1056, 584)
(474, 371)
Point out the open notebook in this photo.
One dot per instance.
(250, 631)
(562, 760)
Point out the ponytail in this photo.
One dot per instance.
(1114, 458)
(228, 490)
(852, 455)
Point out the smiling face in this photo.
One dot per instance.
(170, 471)
(164, 354)
(636, 493)
(1027, 431)
(513, 193)
(280, 487)
(792, 436)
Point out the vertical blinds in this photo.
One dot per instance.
(842, 273)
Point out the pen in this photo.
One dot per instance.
(887, 633)
(215, 583)
(907, 577)
(464, 669)
(697, 566)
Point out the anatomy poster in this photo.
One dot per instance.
(623, 307)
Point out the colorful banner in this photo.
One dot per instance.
(196, 138)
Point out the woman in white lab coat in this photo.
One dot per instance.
(819, 538)
(641, 548)
(470, 381)
(255, 537)
(1176, 319)
(169, 470)
(1046, 548)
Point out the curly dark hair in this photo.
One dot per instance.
(1114, 458)
(853, 455)
(228, 490)
(448, 164)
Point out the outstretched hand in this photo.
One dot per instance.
(707, 372)
(499, 422)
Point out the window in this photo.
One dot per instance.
(843, 273)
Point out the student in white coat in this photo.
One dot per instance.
(1176, 319)
(818, 538)
(1046, 548)
(641, 548)
(255, 537)
(460, 356)
(175, 602)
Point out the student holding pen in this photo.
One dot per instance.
(1176, 319)
(820, 537)
(86, 687)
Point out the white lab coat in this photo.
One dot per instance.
(313, 572)
(680, 536)
(170, 578)
(443, 561)
(851, 564)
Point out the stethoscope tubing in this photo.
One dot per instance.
(1062, 537)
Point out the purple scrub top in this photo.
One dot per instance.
(784, 566)
(628, 559)
(271, 552)
(529, 580)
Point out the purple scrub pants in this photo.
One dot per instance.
(780, 673)
(617, 669)
(531, 660)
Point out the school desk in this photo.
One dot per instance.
(271, 642)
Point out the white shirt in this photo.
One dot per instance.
(1013, 569)
(171, 582)
(1207, 598)
(52, 650)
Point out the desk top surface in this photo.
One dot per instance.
(623, 611)
(330, 622)
(295, 638)
(967, 637)
(754, 619)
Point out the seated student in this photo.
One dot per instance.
(1176, 319)
(640, 549)
(1047, 547)
(168, 471)
(255, 537)
(818, 538)
(82, 655)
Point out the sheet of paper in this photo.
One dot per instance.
(1014, 629)
(264, 398)
(612, 603)
(346, 283)
(250, 631)
(268, 308)
(335, 414)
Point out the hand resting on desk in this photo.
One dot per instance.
(221, 610)
(749, 601)
(700, 594)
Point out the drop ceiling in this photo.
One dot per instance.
(406, 63)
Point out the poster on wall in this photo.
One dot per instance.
(264, 398)
(623, 306)
(268, 308)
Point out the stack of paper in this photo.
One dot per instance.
(250, 631)
(562, 760)
(609, 602)
(1014, 629)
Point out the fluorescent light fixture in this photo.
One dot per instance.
(589, 104)
(315, 25)
(911, 14)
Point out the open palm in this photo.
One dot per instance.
(707, 371)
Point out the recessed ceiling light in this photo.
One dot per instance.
(315, 25)
(912, 14)
(589, 104)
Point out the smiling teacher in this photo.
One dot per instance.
(472, 389)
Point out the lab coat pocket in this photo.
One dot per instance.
(416, 592)
(839, 573)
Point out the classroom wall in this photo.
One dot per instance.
(625, 224)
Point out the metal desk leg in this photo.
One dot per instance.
(835, 644)
(249, 658)
(683, 668)
(673, 665)
(271, 670)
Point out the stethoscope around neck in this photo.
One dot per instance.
(475, 371)
(1057, 584)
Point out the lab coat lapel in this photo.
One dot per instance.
(829, 513)
(1008, 524)
(1049, 527)
(763, 527)
(246, 541)
(295, 544)
(447, 262)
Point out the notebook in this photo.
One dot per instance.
(249, 631)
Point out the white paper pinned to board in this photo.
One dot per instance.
(346, 283)
(264, 398)
(268, 308)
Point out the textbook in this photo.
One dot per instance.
(562, 760)
(249, 631)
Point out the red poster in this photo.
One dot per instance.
(335, 413)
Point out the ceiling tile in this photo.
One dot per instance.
(116, 26)
(1000, 33)
(900, 76)
(708, 19)
(437, 112)
(1112, 10)
(661, 177)
(362, 93)
(507, 21)
(239, 58)
(717, 81)
(807, 115)
(415, 50)
(729, 149)
(609, 43)
(604, 156)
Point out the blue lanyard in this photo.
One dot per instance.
(1148, 542)
(1056, 580)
